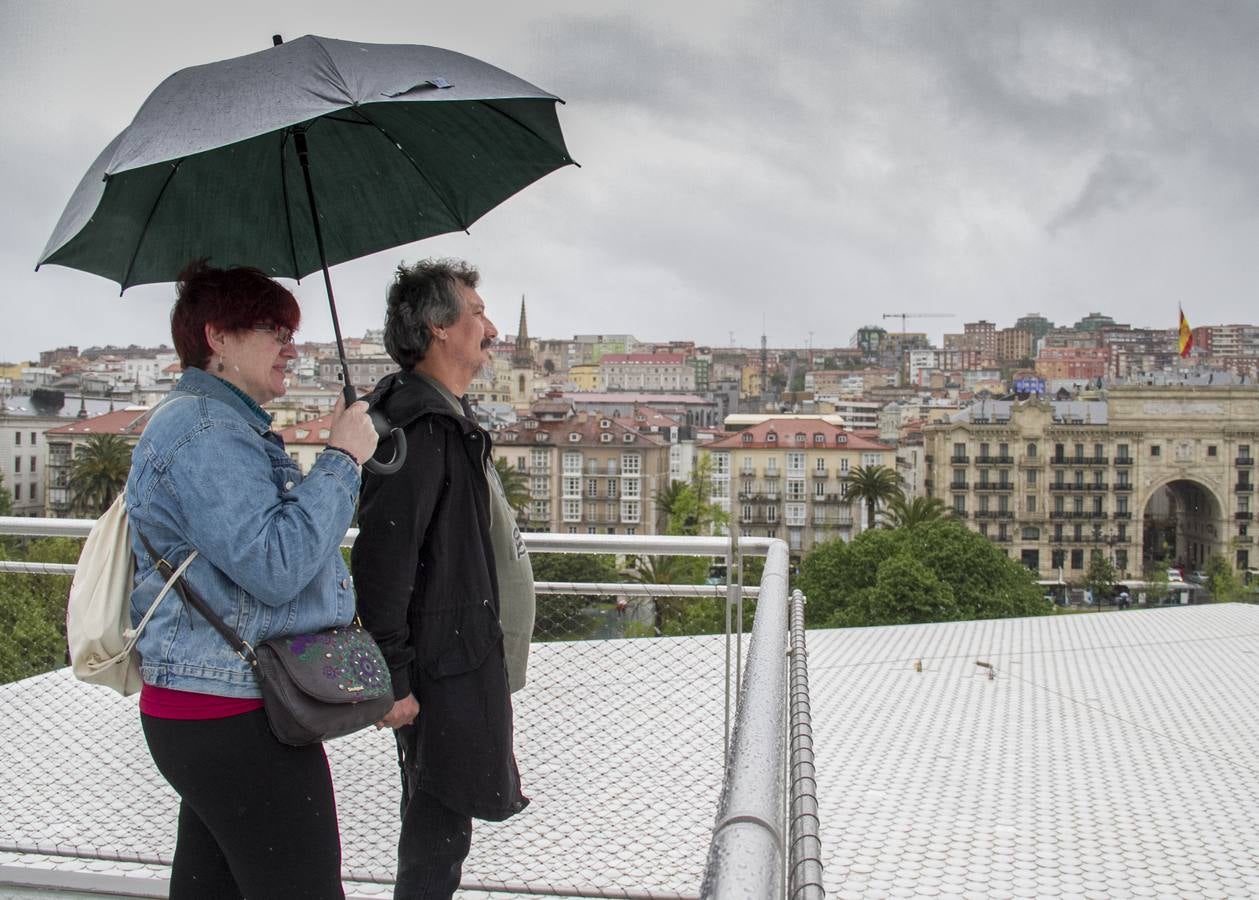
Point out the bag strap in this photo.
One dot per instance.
(193, 599)
(133, 634)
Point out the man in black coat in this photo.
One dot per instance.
(428, 580)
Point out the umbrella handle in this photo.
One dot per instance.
(384, 430)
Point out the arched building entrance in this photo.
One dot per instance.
(1180, 524)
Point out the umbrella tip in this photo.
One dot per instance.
(276, 40)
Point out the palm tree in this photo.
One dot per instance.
(98, 473)
(874, 485)
(515, 485)
(905, 512)
(667, 501)
(666, 570)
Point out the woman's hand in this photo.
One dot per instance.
(352, 430)
(403, 712)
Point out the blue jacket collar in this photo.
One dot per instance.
(198, 381)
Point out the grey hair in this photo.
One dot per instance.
(423, 297)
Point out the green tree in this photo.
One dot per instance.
(1156, 580)
(1100, 577)
(33, 609)
(875, 485)
(905, 512)
(669, 500)
(668, 570)
(515, 484)
(98, 473)
(1222, 581)
(559, 616)
(846, 582)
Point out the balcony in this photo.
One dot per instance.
(821, 473)
(1029, 462)
(994, 460)
(773, 473)
(994, 486)
(1244, 461)
(994, 514)
(1123, 460)
(1243, 487)
(1122, 515)
(957, 485)
(1069, 514)
(1099, 486)
(1080, 460)
(1243, 516)
(959, 460)
(1123, 486)
(1065, 486)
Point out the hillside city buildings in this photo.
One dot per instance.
(1054, 441)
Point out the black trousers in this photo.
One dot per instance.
(257, 818)
(434, 840)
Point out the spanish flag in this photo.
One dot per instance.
(1186, 336)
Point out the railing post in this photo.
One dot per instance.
(804, 874)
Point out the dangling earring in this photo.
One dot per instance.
(219, 368)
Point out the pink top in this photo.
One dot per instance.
(165, 703)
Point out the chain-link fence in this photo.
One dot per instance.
(620, 732)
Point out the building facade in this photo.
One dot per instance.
(1146, 475)
(783, 478)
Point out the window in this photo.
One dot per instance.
(17, 492)
(819, 438)
(17, 438)
(771, 514)
(572, 511)
(1030, 503)
(1154, 450)
(592, 487)
(630, 463)
(1031, 450)
(747, 512)
(721, 463)
(611, 487)
(747, 437)
(1059, 558)
(1122, 532)
(1058, 533)
(1098, 451)
(795, 513)
(631, 488)
(1031, 534)
(1211, 450)
(959, 503)
(572, 462)
(959, 449)
(1077, 532)
(771, 438)
(1121, 505)
(795, 462)
(983, 449)
(795, 490)
(572, 486)
(17, 464)
(520, 464)
(33, 439)
(1003, 450)
(819, 490)
(1031, 478)
(1121, 451)
(1079, 451)
(1077, 559)
(1121, 560)
(819, 465)
(1058, 506)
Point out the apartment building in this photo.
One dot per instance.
(646, 372)
(65, 441)
(587, 473)
(782, 478)
(1147, 473)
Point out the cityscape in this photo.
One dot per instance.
(1055, 441)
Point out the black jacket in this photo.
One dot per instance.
(424, 574)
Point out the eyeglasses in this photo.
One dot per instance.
(281, 333)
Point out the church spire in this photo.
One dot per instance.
(523, 356)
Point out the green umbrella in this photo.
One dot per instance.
(307, 154)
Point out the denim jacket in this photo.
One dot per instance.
(208, 474)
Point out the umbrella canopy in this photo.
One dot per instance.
(405, 142)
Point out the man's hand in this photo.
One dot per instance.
(402, 713)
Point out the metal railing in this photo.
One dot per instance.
(766, 710)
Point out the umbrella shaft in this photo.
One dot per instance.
(303, 157)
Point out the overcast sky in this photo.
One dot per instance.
(797, 167)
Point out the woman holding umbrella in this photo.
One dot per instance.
(257, 818)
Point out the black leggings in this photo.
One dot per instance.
(257, 818)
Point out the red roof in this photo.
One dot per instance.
(127, 422)
(785, 433)
(312, 431)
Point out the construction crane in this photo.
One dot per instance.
(905, 356)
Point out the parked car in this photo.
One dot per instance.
(1174, 575)
(1198, 577)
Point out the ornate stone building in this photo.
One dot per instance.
(1147, 474)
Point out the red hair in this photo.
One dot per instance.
(233, 299)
